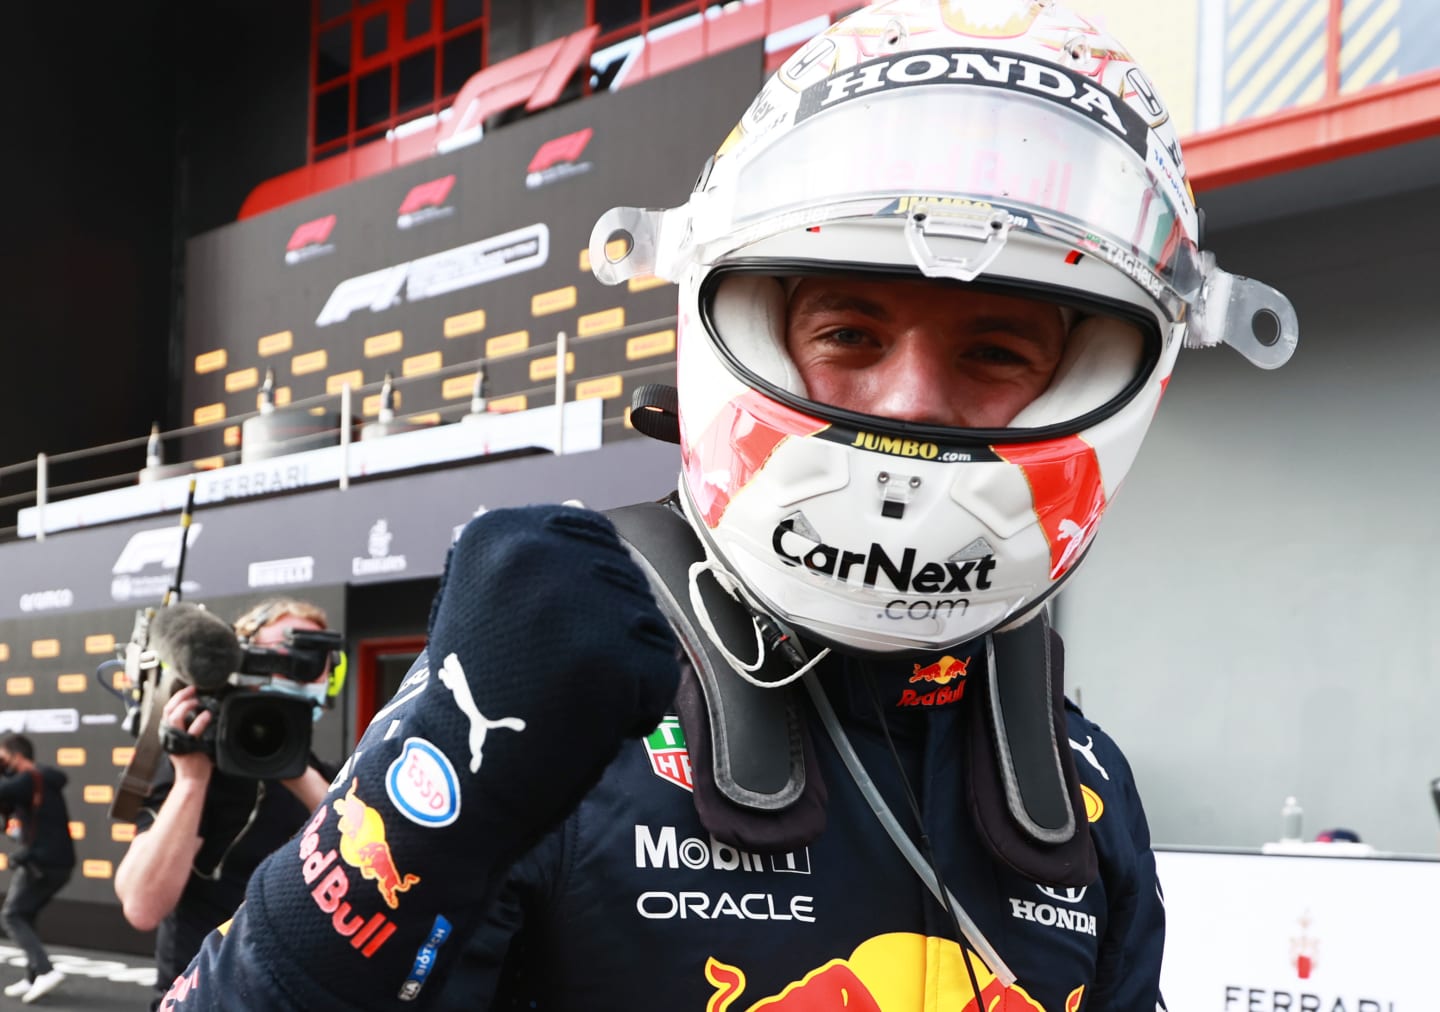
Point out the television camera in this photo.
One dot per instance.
(264, 698)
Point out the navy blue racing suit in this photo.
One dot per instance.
(631, 904)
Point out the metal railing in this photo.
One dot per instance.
(36, 473)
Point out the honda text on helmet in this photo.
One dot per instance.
(1003, 152)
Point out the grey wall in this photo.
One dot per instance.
(1258, 616)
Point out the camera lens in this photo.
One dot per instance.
(263, 736)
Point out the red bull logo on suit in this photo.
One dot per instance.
(331, 886)
(363, 846)
(897, 972)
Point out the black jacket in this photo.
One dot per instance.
(44, 834)
(242, 821)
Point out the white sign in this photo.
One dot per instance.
(281, 572)
(484, 435)
(1249, 931)
(58, 721)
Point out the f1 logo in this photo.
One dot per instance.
(156, 546)
(312, 233)
(562, 149)
(431, 194)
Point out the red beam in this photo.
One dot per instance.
(1371, 119)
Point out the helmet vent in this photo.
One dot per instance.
(798, 524)
(977, 549)
(1078, 50)
(896, 490)
(896, 34)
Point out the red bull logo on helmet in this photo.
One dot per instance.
(898, 972)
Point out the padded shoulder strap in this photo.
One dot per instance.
(1023, 787)
(757, 735)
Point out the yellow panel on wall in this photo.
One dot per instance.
(544, 368)
(500, 405)
(20, 685)
(370, 406)
(98, 794)
(599, 388)
(419, 365)
(45, 648)
(120, 755)
(96, 868)
(334, 384)
(600, 323)
(384, 344)
(209, 413)
(242, 379)
(211, 361)
(464, 323)
(73, 756)
(99, 643)
(122, 832)
(458, 386)
(507, 344)
(311, 361)
(545, 303)
(275, 344)
(72, 682)
(644, 282)
(662, 342)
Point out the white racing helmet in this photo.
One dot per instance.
(1003, 144)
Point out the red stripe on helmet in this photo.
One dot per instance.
(1065, 486)
(735, 446)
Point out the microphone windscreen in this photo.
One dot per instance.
(199, 647)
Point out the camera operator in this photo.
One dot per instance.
(202, 832)
(41, 864)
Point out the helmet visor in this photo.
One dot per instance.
(1056, 171)
(871, 350)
